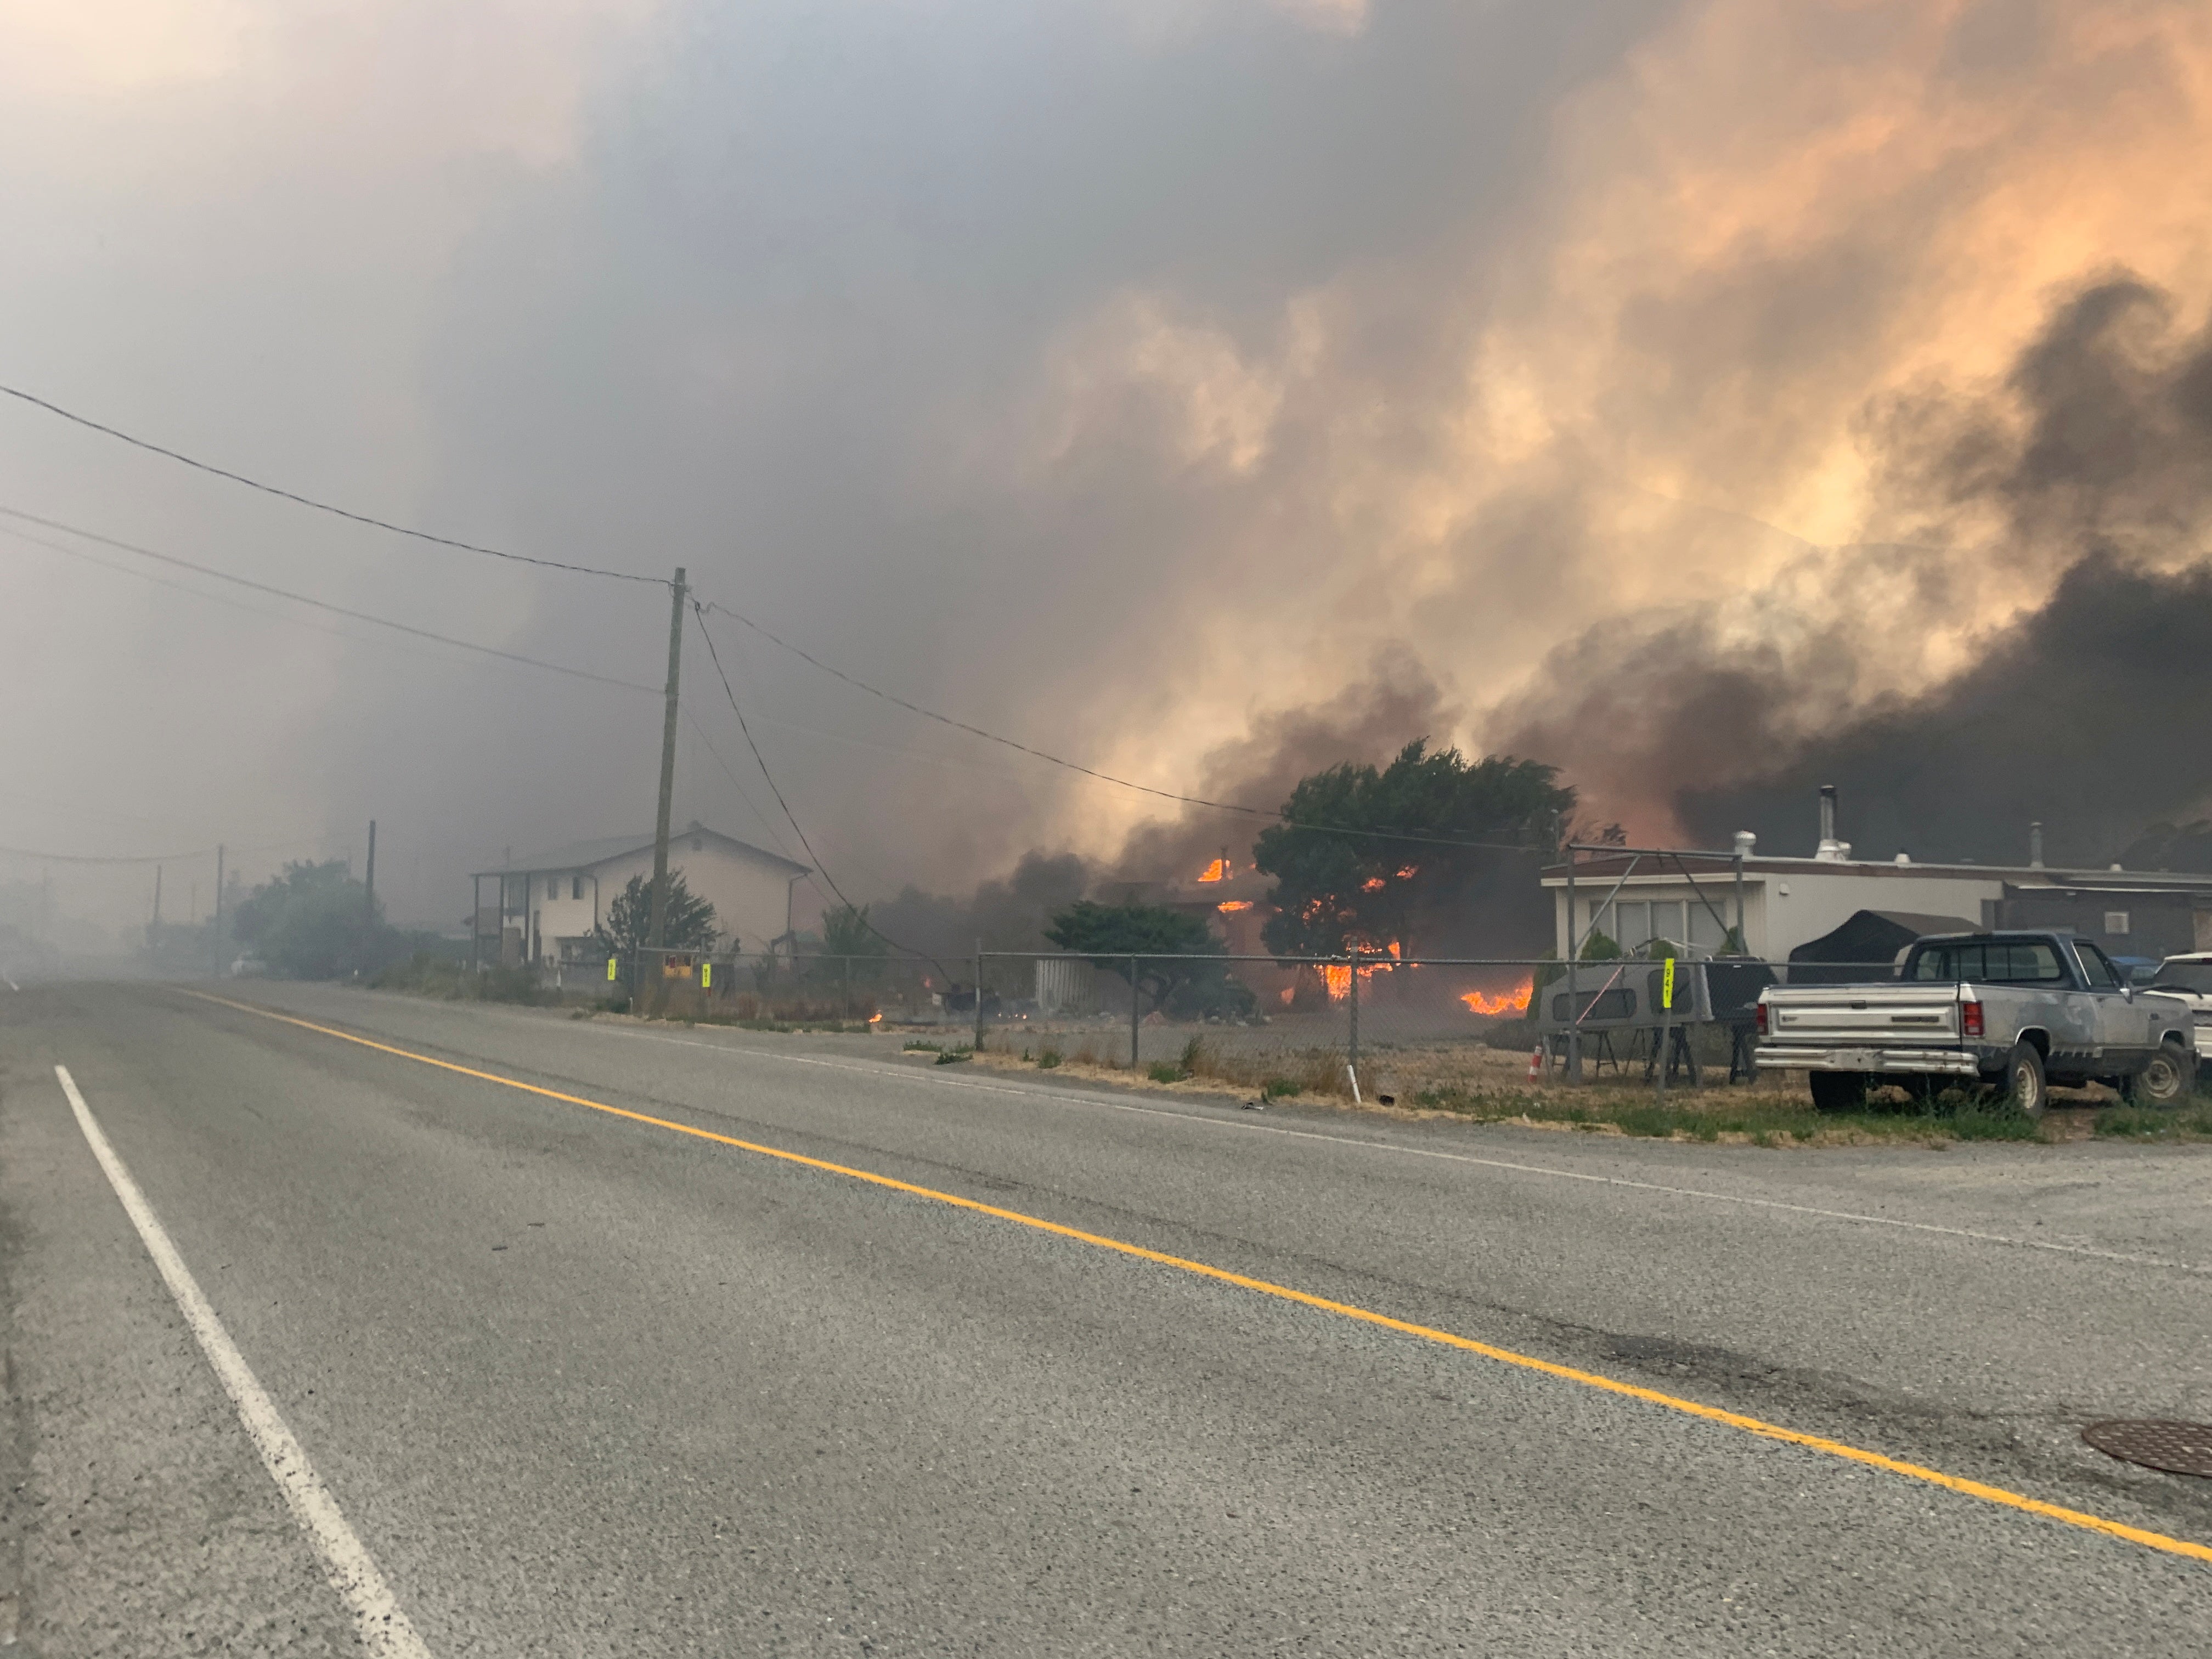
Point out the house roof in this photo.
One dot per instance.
(2028, 877)
(585, 854)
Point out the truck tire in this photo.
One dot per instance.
(1839, 1092)
(2024, 1081)
(2165, 1080)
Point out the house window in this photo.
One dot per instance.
(552, 887)
(2116, 922)
(576, 887)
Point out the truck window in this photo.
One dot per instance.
(2191, 977)
(1993, 962)
(1936, 961)
(2096, 970)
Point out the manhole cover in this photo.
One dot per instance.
(2177, 1448)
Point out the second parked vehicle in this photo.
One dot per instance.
(2190, 978)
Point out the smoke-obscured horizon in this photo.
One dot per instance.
(1711, 398)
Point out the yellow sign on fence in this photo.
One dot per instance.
(705, 975)
(1667, 985)
(610, 970)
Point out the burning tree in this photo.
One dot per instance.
(1364, 855)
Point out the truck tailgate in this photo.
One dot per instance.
(1887, 1015)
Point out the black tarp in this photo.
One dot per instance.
(1869, 936)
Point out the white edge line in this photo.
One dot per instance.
(347, 1563)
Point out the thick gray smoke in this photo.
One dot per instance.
(2090, 711)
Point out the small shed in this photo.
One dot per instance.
(1867, 936)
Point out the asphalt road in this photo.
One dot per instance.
(585, 1385)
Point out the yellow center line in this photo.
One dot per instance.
(1849, 1453)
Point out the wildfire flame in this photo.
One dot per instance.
(1234, 904)
(1338, 977)
(875, 1019)
(1515, 1001)
(1217, 871)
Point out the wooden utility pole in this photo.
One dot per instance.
(656, 933)
(368, 910)
(218, 883)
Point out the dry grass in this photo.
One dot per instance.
(1489, 1086)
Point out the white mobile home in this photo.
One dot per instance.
(545, 908)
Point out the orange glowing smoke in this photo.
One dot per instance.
(1217, 871)
(1234, 904)
(1339, 981)
(1515, 1001)
(1373, 884)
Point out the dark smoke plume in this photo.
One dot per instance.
(1397, 702)
(2088, 477)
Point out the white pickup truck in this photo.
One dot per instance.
(2013, 1011)
(2190, 978)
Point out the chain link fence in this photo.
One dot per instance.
(1426, 1031)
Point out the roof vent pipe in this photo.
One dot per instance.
(1745, 840)
(1830, 849)
(2035, 845)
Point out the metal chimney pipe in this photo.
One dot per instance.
(2035, 845)
(1827, 819)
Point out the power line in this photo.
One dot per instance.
(1108, 777)
(85, 858)
(729, 772)
(321, 506)
(729, 691)
(298, 598)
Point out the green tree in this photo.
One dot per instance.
(1364, 854)
(1111, 934)
(313, 921)
(628, 925)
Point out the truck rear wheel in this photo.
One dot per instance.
(2024, 1081)
(1839, 1092)
(2165, 1080)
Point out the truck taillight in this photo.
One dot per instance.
(1970, 1019)
(1762, 1019)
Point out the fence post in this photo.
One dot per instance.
(1574, 994)
(979, 996)
(1352, 1015)
(1133, 1016)
(848, 987)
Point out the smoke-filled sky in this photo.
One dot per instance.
(1687, 394)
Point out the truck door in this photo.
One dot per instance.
(2043, 986)
(2123, 1029)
